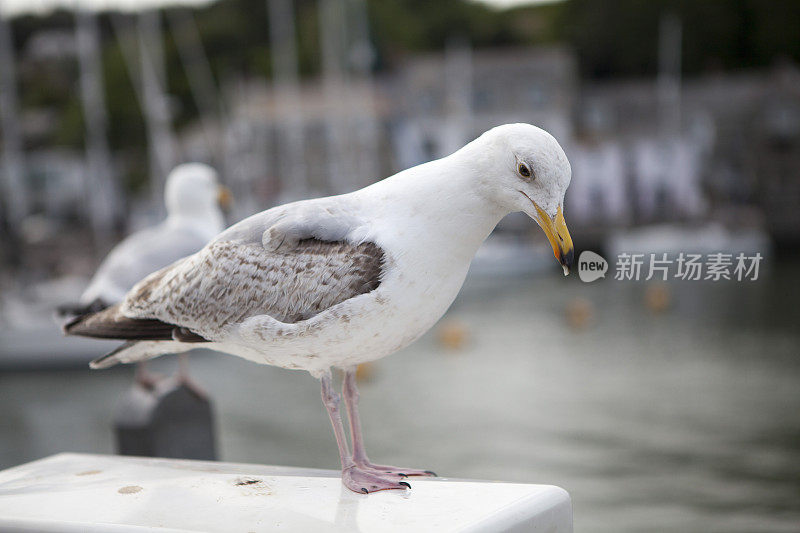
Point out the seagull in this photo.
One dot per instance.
(194, 200)
(334, 282)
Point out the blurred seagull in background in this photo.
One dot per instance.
(339, 281)
(194, 200)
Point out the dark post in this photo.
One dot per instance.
(169, 419)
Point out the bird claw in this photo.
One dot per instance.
(367, 481)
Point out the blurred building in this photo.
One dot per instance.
(431, 107)
(727, 147)
(731, 154)
(735, 151)
(445, 100)
(257, 165)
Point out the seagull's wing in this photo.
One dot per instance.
(137, 256)
(292, 272)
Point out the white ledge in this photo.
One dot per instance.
(81, 492)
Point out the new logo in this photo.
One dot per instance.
(591, 266)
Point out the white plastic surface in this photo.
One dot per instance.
(79, 492)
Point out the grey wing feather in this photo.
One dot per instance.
(231, 280)
(326, 219)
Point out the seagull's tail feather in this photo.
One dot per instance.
(68, 314)
(112, 358)
(110, 323)
(133, 352)
(147, 337)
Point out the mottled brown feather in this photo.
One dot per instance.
(227, 282)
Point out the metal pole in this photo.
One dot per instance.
(362, 57)
(286, 88)
(16, 193)
(458, 97)
(201, 79)
(669, 110)
(156, 106)
(669, 73)
(143, 78)
(103, 194)
(331, 20)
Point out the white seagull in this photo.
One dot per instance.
(194, 200)
(338, 281)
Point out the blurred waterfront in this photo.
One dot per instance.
(680, 420)
(302, 98)
(659, 407)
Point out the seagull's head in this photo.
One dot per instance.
(194, 189)
(525, 169)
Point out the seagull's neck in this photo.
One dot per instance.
(208, 222)
(436, 205)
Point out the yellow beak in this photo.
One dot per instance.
(558, 235)
(224, 197)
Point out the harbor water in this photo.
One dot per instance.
(674, 413)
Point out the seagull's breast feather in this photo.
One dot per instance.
(304, 262)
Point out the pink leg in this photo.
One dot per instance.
(144, 377)
(184, 377)
(354, 477)
(359, 453)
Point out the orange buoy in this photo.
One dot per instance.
(452, 335)
(657, 298)
(364, 372)
(580, 313)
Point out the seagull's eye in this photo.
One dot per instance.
(524, 170)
